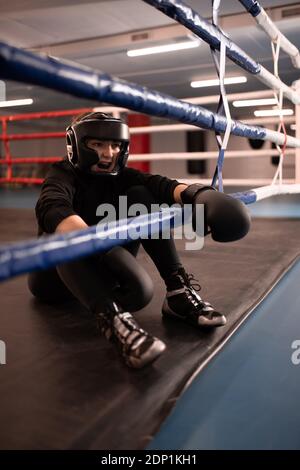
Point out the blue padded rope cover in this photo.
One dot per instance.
(51, 250)
(188, 17)
(247, 197)
(251, 6)
(78, 80)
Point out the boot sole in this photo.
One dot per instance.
(157, 351)
(172, 315)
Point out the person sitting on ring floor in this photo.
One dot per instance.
(113, 285)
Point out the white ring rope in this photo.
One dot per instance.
(267, 25)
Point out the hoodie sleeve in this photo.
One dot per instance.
(55, 202)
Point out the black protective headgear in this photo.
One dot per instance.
(98, 126)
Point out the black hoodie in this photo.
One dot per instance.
(67, 191)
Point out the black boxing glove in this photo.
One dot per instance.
(226, 218)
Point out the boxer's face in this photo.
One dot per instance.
(107, 151)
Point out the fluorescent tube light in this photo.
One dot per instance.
(273, 112)
(260, 102)
(216, 81)
(179, 46)
(24, 102)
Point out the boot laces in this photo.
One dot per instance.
(132, 324)
(193, 282)
(192, 288)
(128, 331)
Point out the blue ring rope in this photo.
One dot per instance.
(49, 251)
(84, 82)
(185, 15)
(252, 6)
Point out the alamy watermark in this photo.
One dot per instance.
(2, 353)
(185, 222)
(295, 357)
(2, 91)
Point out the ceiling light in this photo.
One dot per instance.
(179, 46)
(216, 81)
(273, 112)
(260, 102)
(24, 102)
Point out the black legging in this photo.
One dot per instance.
(86, 280)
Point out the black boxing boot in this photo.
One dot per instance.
(184, 303)
(137, 347)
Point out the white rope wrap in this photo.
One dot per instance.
(216, 8)
(224, 97)
(279, 99)
(223, 103)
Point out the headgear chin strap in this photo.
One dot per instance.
(98, 126)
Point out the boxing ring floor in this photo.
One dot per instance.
(64, 387)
